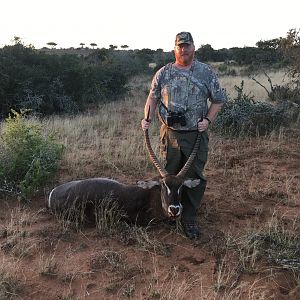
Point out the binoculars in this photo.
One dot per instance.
(175, 117)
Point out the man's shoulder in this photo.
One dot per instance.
(203, 67)
(164, 68)
(160, 72)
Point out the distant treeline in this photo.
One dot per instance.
(49, 82)
(266, 52)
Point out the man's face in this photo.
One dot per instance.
(184, 54)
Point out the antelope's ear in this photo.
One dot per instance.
(191, 183)
(148, 184)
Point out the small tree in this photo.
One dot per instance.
(82, 44)
(52, 44)
(112, 47)
(124, 46)
(290, 47)
(93, 45)
(17, 40)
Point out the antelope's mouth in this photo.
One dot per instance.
(174, 211)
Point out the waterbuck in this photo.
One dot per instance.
(154, 199)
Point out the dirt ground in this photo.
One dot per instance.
(253, 189)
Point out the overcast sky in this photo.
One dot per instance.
(146, 24)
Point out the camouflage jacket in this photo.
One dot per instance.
(185, 91)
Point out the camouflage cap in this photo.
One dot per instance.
(184, 38)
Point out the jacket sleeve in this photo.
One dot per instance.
(217, 93)
(155, 88)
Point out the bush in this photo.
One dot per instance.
(243, 116)
(224, 69)
(28, 158)
(52, 83)
(284, 92)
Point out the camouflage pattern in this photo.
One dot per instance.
(186, 91)
(184, 38)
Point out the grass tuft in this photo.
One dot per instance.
(9, 286)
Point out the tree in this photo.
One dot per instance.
(269, 44)
(205, 53)
(17, 40)
(112, 47)
(52, 44)
(93, 45)
(124, 46)
(290, 47)
(82, 44)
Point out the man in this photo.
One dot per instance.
(180, 91)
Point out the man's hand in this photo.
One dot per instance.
(145, 124)
(202, 125)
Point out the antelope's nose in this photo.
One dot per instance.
(174, 210)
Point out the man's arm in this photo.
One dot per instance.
(152, 103)
(153, 98)
(213, 111)
(211, 116)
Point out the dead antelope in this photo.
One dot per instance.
(154, 199)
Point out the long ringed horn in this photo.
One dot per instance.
(157, 164)
(191, 158)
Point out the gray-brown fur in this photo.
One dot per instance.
(155, 199)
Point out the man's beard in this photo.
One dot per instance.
(185, 59)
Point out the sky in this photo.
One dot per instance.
(146, 24)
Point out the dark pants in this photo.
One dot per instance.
(175, 150)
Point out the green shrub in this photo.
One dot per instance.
(225, 70)
(28, 158)
(242, 116)
(222, 68)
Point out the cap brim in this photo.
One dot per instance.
(183, 42)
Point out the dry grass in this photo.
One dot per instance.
(18, 241)
(107, 139)
(146, 241)
(10, 285)
(48, 266)
(109, 217)
(172, 286)
(250, 86)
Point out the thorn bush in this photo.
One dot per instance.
(243, 116)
